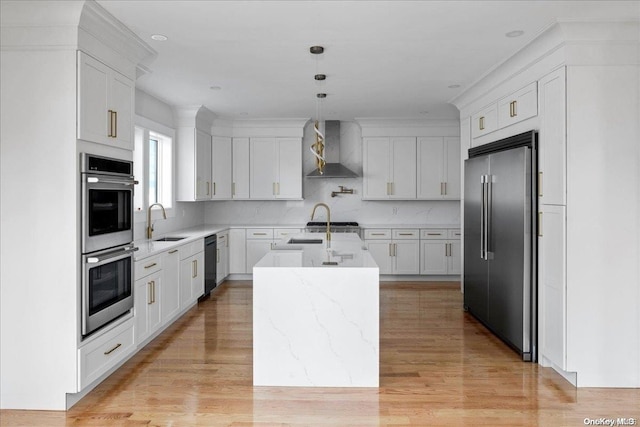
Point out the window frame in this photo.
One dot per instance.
(149, 126)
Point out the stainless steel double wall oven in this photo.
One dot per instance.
(107, 236)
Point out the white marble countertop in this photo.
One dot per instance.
(345, 250)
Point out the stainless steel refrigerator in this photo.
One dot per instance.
(500, 205)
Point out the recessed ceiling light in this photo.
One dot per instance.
(316, 50)
(514, 33)
(320, 77)
(453, 86)
(159, 37)
(321, 95)
(215, 88)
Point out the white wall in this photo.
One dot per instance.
(185, 214)
(343, 207)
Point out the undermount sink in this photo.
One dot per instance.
(295, 241)
(169, 239)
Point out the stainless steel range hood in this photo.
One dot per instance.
(333, 168)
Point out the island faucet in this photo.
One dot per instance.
(328, 218)
(149, 223)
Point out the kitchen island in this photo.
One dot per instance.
(316, 314)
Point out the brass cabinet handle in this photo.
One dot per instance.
(214, 188)
(540, 224)
(481, 123)
(395, 249)
(218, 256)
(515, 108)
(277, 188)
(540, 184)
(233, 188)
(149, 297)
(378, 234)
(405, 234)
(259, 234)
(110, 112)
(194, 268)
(434, 234)
(108, 352)
(442, 188)
(115, 124)
(445, 188)
(273, 188)
(173, 251)
(151, 265)
(390, 250)
(208, 187)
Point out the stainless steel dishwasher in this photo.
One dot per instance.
(210, 261)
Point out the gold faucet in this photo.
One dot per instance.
(149, 224)
(328, 218)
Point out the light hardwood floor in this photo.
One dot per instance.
(438, 366)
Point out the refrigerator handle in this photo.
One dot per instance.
(487, 217)
(483, 195)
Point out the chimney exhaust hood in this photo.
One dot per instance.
(333, 168)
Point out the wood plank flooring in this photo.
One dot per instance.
(438, 367)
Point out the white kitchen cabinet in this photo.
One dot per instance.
(398, 255)
(275, 168)
(484, 121)
(105, 352)
(194, 165)
(440, 252)
(552, 284)
(389, 168)
(240, 168)
(438, 172)
(105, 104)
(222, 256)
(259, 242)
(519, 106)
(191, 273)
(552, 149)
(237, 251)
(147, 300)
(170, 302)
(506, 111)
(221, 164)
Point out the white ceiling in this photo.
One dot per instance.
(382, 58)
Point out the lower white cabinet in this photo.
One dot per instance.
(191, 279)
(552, 284)
(259, 242)
(440, 251)
(237, 251)
(147, 298)
(222, 257)
(104, 352)
(398, 255)
(170, 302)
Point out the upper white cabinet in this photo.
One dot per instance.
(221, 174)
(240, 168)
(105, 104)
(194, 165)
(389, 168)
(552, 151)
(438, 168)
(516, 107)
(484, 121)
(275, 168)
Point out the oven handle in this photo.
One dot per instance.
(95, 180)
(115, 254)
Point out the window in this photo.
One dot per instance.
(153, 167)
